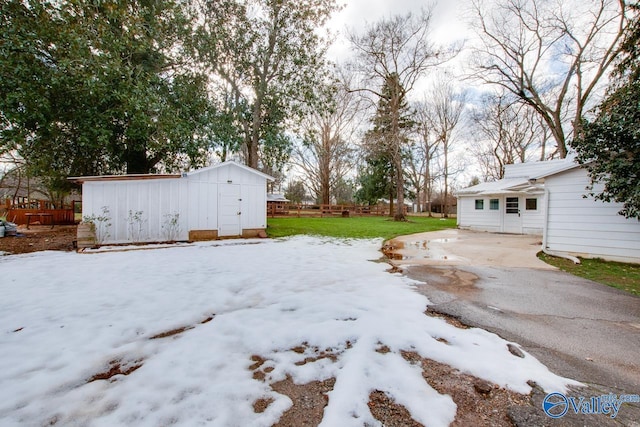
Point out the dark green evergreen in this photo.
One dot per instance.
(91, 87)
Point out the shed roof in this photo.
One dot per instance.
(81, 179)
(130, 177)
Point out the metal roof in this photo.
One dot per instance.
(81, 179)
(131, 177)
(521, 178)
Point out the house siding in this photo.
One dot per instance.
(533, 220)
(482, 220)
(587, 227)
(470, 218)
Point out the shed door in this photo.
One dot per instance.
(229, 213)
(512, 218)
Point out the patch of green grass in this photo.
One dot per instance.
(355, 227)
(615, 274)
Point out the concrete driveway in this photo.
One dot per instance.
(578, 328)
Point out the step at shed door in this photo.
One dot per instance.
(229, 214)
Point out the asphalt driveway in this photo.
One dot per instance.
(578, 328)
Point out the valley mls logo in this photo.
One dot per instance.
(556, 405)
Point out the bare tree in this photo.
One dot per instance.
(326, 153)
(446, 107)
(506, 132)
(550, 54)
(421, 170)
(391, 56)
(271, 53)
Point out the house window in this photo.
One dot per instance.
(494, 204)
(531, 204)
(479, 204)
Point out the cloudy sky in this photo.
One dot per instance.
(448, 26)
(448, 21)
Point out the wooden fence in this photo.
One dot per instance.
(283, 209)
(20, 210)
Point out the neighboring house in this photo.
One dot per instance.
(547, 198)
(225, 200)
(277, 204)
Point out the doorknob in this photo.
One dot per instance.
(239, 213)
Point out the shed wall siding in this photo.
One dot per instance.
(155, 199)
(586, 227)
(254, 206)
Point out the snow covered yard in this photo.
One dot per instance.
(172, 336)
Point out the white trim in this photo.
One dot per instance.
(546, 219)
(231, 163)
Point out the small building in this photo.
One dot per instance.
(548, 199)
(277, 204)
(224, 200)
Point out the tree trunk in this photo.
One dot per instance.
(254, 139)
(136, 159)
(399, 215)
(324, 160)
(445, 209)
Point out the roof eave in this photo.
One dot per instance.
(131, 177)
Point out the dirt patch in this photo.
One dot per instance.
(180, 330)
(171, 332)
(261, 405)
(309, 401)
(116, 367)
(389, 413)
(480, 403)
(40, 238)
(454, 321)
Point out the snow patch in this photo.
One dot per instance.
(311, 308)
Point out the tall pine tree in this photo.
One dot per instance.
(386, 142)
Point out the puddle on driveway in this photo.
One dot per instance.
(398, 250)
(447, 279)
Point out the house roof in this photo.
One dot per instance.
(521, 178)
(276, 198)
(539, 170)
(81, 179)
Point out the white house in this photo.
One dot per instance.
(547, 198)
(514, 204)
(585, 227)
(224, 200)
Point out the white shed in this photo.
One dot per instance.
(547, 198)
(224, 200)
